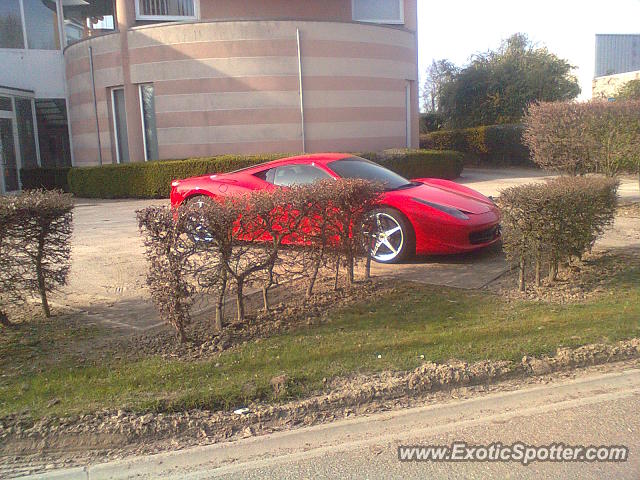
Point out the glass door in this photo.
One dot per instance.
(8, 162)
(120, 125)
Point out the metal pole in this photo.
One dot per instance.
(304, 147)
(95, 104)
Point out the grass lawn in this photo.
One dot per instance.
(439, 323)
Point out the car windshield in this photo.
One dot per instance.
(356, 167)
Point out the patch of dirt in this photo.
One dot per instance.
(629, 210)
(291, 310)
(578, 281)
(114, 434)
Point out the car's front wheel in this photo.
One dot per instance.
(389, 236)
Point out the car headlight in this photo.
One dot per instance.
(454, 212)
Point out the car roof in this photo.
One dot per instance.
(320, 158)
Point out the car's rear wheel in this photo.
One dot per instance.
(196, 229)
(389, 236)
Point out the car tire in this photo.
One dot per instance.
(392, 239)
(198, 233)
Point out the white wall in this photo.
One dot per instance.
(39, 70)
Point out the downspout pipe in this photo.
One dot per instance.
(304, 146)
(95, 103)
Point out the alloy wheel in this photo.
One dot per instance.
(385, 237)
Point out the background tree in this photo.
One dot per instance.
(497, 86)
(630, 90)
(438, 73)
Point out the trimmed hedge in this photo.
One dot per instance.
(420, 163)
(153, 179)
(431, 122)
(549, 223)
(500, 145)
(48, 178)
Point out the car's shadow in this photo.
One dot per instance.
(492, 252)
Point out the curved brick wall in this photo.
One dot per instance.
(232, 87)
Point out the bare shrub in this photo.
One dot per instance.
(210, 224)
(552, 222)
(12, 274)
(222, 244)
(171, 256)
(351, 200)
(39, 238)
(331, 228)
(238, 244)
(578, 138)
(556, 134)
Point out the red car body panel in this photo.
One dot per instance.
(436, 232)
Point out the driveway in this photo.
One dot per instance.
(107, 282)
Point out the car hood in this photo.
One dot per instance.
(448, 197)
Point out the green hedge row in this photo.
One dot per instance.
(499, 145)
(152, 179)
(420, 163)
(49, 178)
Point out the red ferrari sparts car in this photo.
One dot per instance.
(423, 216)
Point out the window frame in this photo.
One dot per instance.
(270, 174)
(25, 36)
(168, 18)
(116, 130)
(13, 95)
(401, 21)
(142, 119)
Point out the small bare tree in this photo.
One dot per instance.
(41, 236)
(12, 275)
(351, 202)
(210, 225)
(171, 256)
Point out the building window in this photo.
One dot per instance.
(148, 109)
(53, 132)
(11, 34)
(166, 10)
(378, 11)
(88, 18)
(41, 22)
(6, 105)
(8, 158)
(26, 134)
(120, 125)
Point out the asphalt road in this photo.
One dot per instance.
(598, 409)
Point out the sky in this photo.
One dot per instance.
(456, 29)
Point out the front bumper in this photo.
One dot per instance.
(435, 237)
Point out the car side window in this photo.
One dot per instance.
(297, 174)
(266, 175)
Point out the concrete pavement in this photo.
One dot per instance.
(598, 409)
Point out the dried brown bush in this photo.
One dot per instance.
(555, 221)
(224, 244)
(11, 272)
(351, 200)
(244, 240)
(171, 256)
(578, 138)
(37, 242)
